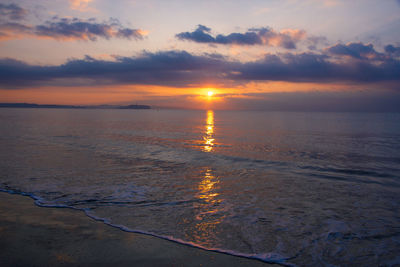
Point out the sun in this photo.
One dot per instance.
(210, 93)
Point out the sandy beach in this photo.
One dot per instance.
(38, 236)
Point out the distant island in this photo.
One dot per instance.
(135, 107)
(30, 105)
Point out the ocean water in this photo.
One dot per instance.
(315, 189)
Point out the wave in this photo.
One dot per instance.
(268, 257)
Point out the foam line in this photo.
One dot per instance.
(272, 258)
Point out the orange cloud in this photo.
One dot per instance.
(14, 30)
(81, 5)
(284, 38)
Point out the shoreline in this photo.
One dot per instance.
(31, 235)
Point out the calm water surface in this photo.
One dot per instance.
(295, 188)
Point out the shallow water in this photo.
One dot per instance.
(294, 188)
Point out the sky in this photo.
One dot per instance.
(294, 55)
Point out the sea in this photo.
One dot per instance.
(292, 188)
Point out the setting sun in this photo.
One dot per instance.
(210, 93)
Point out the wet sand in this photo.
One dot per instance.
(37, 236)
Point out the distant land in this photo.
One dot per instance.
(30, 105)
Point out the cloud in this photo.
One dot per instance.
(81, 5)
(77, 29)
(176, 68)
(200, 35)
(70, 29)
(13, 30)
(12, 12)
(314, 41)
(355, 50)
(393, 50)
(182, 69)
(254, 36)
(309, 67)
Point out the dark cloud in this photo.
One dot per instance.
(394, 50)
(61, 28)
(309, 67)
(176, 68)
(182, 69)
(254, 36)
(12, 12)
(200, 35)
(355, 50)
(15, 27)
(64, 28)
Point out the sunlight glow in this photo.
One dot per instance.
(210, 93)
(209, 208)
(208, 138)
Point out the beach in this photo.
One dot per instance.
(39, 236)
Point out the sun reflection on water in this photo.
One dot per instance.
(208, 210)
(207, 187)
(209, 133)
